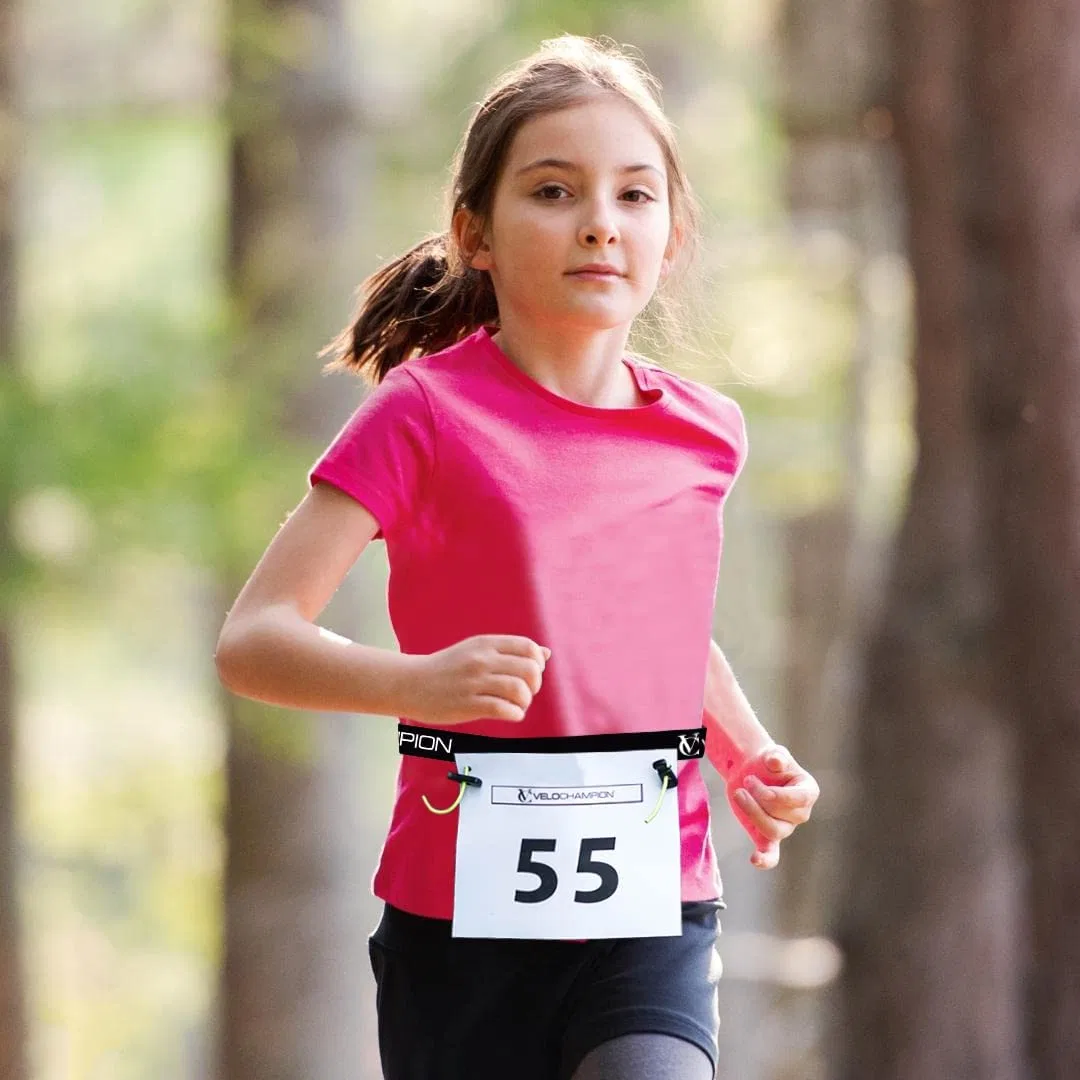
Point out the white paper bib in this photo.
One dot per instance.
(557, 846)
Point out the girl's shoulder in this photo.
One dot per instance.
(686, 388)
(416, 378)
(702, 404)
(425, 367)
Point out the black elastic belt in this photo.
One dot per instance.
(443, 743)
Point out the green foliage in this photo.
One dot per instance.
(127, 406)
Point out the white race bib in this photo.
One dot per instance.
(557, 846)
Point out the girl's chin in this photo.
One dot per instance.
(581, 313)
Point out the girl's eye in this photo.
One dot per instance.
(556, 192)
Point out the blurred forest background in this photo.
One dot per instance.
(190, 191)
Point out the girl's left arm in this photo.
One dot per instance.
(734, 732)
(769, 791)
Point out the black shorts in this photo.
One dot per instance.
(481, 1009)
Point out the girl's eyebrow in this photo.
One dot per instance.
(569, 166)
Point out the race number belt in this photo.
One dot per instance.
(443, 744)
(565, 837)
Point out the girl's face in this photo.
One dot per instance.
(584, 186)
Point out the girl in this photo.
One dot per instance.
(548, 501)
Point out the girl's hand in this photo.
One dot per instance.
(490, 676)
(771, 794)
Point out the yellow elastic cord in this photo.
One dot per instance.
(667, 779)
(663, 792)
(454, 805)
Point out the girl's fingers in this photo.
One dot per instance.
(768, 858)
(792, 802)
(772, 828)
(773, 808)
(779, 760)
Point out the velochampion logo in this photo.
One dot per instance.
(519, 795)
(690, 746)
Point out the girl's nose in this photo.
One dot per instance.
(598, 229)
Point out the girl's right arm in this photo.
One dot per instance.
(271, 649)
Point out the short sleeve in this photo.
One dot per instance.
(383, 455)
(726, 421)
(741, 439)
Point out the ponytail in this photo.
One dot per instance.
(421, 302)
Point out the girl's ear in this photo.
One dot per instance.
(469, 236)
(671, 252)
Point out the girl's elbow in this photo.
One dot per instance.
(229, 658)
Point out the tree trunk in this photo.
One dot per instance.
(295, 966)
(12, 1018)
(1025, 222)
(933, 978)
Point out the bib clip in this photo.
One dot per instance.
(666, 775)
(463, 779)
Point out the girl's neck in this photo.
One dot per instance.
(586, 368)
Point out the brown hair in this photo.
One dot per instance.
(429, 297)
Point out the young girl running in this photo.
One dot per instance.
(551, 507)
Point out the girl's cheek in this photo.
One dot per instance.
(546, 227)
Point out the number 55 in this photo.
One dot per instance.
(549, 880)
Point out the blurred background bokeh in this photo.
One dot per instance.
(190, 190)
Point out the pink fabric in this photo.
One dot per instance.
(507, 508)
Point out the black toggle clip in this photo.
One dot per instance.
(663, 769)
(464, 778)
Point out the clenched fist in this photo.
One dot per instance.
(486, 677)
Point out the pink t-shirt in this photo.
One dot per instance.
(508, 509)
